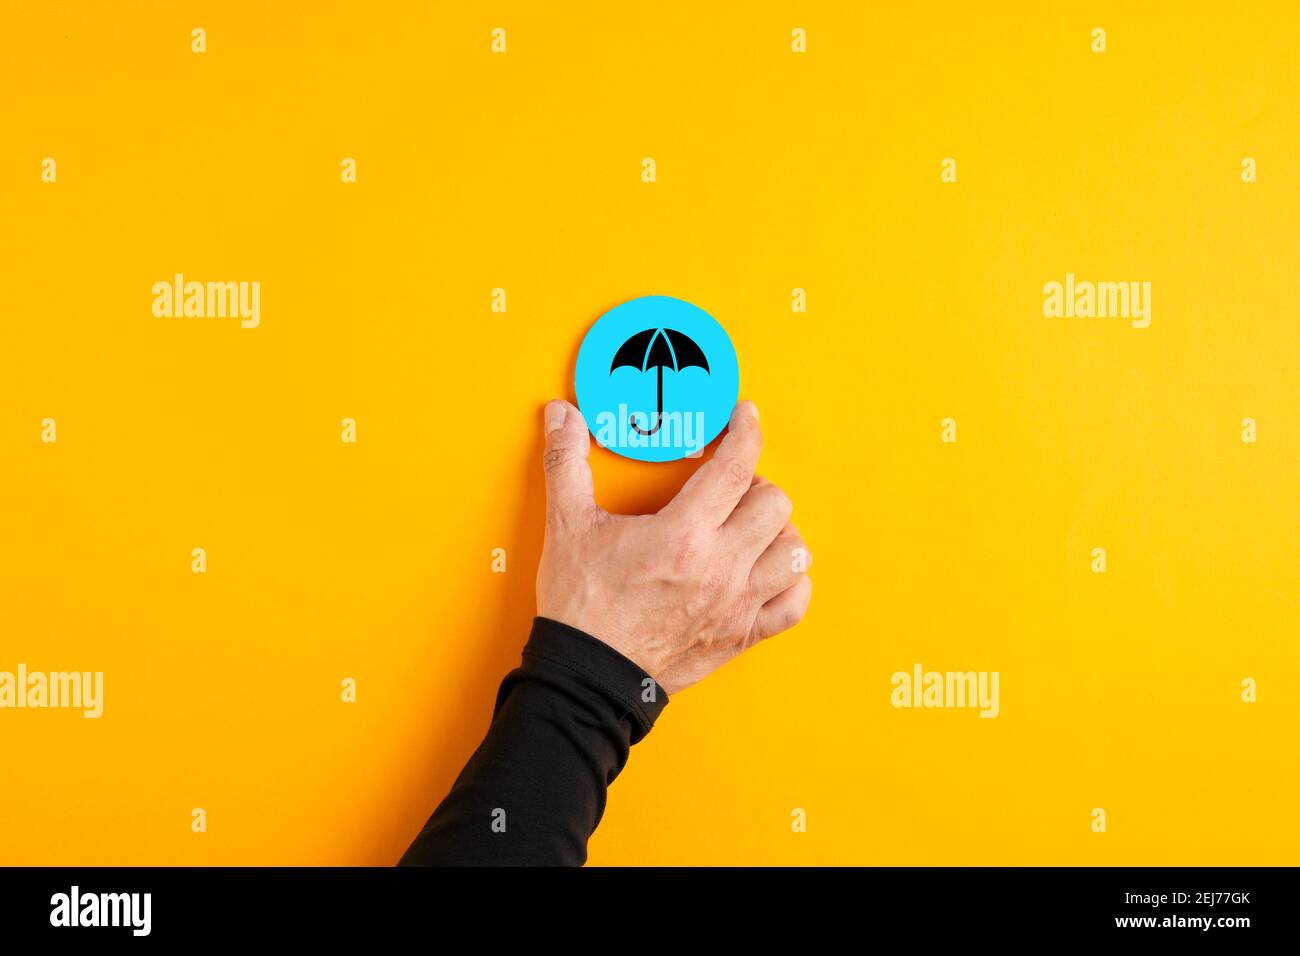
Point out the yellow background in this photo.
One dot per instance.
(775, 171)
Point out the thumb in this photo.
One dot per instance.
(569, 489)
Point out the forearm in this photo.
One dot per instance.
(534, 790)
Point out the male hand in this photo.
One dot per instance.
(680, 592)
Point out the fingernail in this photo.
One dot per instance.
(742, 406)
(553, 418)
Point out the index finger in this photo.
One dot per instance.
(719, 484)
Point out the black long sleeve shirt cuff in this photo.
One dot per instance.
(535, 788)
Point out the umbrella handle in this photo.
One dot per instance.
(659, 413)
(658, 420)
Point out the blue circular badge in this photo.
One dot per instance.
(657, 379)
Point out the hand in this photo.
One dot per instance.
(683, 591)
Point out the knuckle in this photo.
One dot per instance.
(737, 474)
(783, 505)
(717, 581)
(556, 456)
(733, 617)
(797, 613)
(686, 550)
(716, 596)
(744, 613)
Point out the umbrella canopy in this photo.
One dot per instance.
(664, 348)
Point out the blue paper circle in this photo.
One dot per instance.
(618, 379)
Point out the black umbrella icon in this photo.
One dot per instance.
(659, 349)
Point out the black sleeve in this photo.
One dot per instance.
(534, 790)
